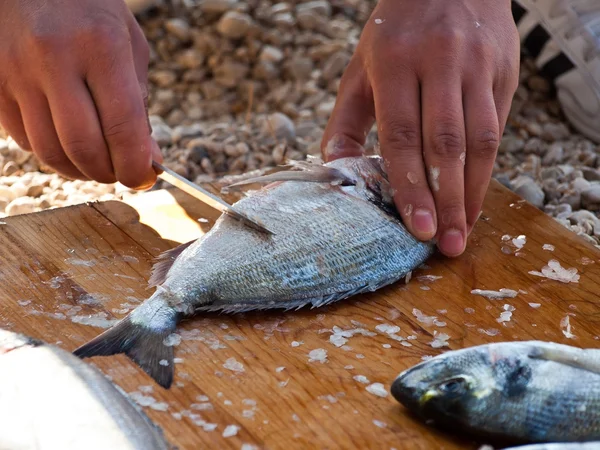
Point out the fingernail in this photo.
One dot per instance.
(423, 221)
(452, 242)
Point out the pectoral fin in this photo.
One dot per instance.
(585, 359)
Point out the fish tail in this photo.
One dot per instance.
(140, 335)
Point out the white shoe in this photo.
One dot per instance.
(564, 38)
(139, 6)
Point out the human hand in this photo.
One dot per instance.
(439, 77)
(73, 88)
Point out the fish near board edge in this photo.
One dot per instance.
(143, 341)
(127, 417)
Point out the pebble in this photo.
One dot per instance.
(282, 126)
(529, 190)
(21, 205)
(234, 25)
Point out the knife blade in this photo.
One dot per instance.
(206, 197)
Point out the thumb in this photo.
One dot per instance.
(352, 117)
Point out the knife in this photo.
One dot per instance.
(206, 197)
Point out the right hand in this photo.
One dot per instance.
(73, 88)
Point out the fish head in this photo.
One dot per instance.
(448, 389)
(463, 388)
(368, 177)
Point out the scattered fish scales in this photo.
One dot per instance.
(535, 305)
(379, 423)
(429, 277)
(495, 295)
(377, 389)
(427, 320)
(387, 329)
(519, 241)
(565, 325)
(490, 331)
(554, 271)
(233, 365)
(230, 430)
(340, 336)
(172, 340)
(361, 379)
(318, 355)
(439, 340)
(548, 247)
(505, 316)
(296, 343)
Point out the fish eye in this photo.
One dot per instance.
(454, 386)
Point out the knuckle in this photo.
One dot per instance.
(79, 150)
(448, 37)
(401, 135)
(447, 142)
(54, 158)
(486, 142)
(453, 213)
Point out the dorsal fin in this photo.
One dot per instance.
(164, 262)
(311, 173)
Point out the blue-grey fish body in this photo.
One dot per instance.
(51, 399)
(336, 234)
(526, 392)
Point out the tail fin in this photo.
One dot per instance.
(143, 343)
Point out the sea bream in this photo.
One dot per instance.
(336, 234)
(50, 399)
(523, 392)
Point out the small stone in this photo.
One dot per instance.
(7, 193)
(335, 65)
(178, 28)
(18, 189)
(555, 132)
(511, 144)
(271, 54)
(320, 7)
(529, 190)
(591, 174)
(230, 73)
(590, 198)
(21, 205)
(554, 155)
(217, 6)
(282, 126)
(161, 132)
(300, 67)
(10, 168)
(163, 78)
(234, 25)
(35, 190)
(190, 58)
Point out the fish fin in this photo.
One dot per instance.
(310, 173)
(143, 345)
(585, 359)
(164, 262)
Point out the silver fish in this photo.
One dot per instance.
(337, 234)
(50, 399)
(523, 392)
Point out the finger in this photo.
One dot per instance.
(12, 122)
(113, 83)
(444, 148)
(398, 110)
(78, 129)
(352, 116)
(40, 130)
(482, 134)
(141, 58)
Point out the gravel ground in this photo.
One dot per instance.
(238, 86)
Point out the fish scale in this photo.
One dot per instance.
(336, 234)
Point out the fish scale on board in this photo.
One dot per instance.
(336, 234)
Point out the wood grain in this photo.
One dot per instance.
(62, 266)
